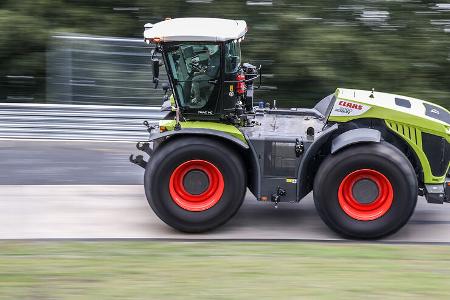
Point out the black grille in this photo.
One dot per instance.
(437, 150)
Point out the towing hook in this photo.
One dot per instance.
(139, 160)
(276, 196)
(150, 128)
(143, 146)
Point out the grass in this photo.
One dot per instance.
(221, 270)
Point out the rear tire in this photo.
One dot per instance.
(195, 184)
(379, 174)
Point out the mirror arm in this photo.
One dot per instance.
(155, 64)
(260, 76)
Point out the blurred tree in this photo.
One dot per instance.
(307, 48)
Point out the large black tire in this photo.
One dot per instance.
(333, 178)
(181, 151)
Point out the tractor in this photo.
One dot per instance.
(366, 155)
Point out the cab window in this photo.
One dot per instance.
(232, 56)
(195, 69)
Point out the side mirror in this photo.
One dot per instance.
(155, 63)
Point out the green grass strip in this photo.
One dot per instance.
(222, 270)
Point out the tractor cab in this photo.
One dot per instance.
(203, 62)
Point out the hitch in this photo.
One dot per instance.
(150, 128)
(276, 197)
(138, 160)
(145, 147)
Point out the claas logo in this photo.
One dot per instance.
(350, 105)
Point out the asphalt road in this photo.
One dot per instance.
(67, 162)
(90, 190)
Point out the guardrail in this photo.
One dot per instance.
(75, 122)
(85, 69)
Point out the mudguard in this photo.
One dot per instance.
(253, 170)
(355, 136)
(303, 176)
(199, 131)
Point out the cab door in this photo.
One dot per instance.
(195, 73)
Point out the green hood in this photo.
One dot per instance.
(355, 104)
(408, 117)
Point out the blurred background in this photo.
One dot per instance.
(91, 52)
(61, 177)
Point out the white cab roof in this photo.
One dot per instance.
(196, 30)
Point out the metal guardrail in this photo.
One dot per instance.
(86, 69)
(89, 75)
(75, 122)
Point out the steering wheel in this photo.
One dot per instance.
(195, 64)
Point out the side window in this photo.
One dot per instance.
(196, 68)
(232, 56)
(175, 64)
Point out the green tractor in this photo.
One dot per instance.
(366, 155)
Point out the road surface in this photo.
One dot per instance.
(89, 190)
(67, 162)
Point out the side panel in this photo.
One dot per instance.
(280, 143)
(278, 164)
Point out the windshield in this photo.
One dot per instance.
(195, 70)
(232, 56)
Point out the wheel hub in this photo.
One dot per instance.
(365, 195)
(195, 182)
(365, 191)
(196, 185)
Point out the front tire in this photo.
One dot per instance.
(195, 184)
(367, 191)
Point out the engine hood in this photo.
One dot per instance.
(353, 104)
(423, 125)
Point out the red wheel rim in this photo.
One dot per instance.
(206, 199)
(365, 211)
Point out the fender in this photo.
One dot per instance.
(304, 175)
(355, 136)
(161, 137)
(199, 131)
(253, 171)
